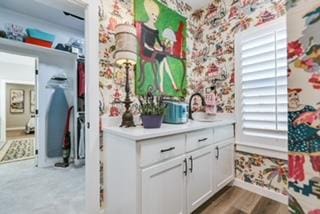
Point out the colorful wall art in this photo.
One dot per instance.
(161, 66)
(303, 117)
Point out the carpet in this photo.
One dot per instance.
(18, 149)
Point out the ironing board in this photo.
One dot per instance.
(56, 121)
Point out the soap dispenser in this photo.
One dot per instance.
(211, 101)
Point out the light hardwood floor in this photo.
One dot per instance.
(18, 134)
(233, 200)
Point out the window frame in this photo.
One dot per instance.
(272, 147)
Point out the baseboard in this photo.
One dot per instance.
(261, 191)
(15, 129)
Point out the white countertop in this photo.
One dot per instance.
(139, 133)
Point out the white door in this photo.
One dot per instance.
(163, 187)
(200, 172)
(223, 163)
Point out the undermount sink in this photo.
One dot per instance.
(204, 117)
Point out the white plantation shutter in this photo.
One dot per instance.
(261, 73)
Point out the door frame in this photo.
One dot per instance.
(92, 133)
(92, 108)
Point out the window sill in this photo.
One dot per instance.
(265, 150)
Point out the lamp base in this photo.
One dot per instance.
(127, 120)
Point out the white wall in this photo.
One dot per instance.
(17, 68)
(62, 34)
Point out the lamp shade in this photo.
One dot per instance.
(126, 44)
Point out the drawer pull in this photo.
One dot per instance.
(191, 161)
(217, 154)
(185, 172)
(167, 150)
(203, 139)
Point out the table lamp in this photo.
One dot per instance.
(126, 55)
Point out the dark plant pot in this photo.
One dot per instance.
(151, 121)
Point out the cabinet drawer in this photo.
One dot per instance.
(199, 139)
(159, 149)
(223, 133)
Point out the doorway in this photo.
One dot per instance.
(18, 104)
(37, 184)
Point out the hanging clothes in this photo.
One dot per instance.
(81, 78)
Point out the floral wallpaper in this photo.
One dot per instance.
(270, 173)
(210, 64)
(304, 97)
(214, 29)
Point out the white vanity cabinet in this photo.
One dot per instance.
(199, 177)
(163, 187)
(172, 170)
(223, 163)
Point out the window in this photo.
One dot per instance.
(261, 87)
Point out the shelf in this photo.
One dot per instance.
(12, 46)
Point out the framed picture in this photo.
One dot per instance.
(16, 101)
(161, 65)
(32, 101)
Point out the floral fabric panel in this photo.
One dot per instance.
(266, 172)
(304, 109)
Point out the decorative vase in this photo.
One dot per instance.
(152, 121)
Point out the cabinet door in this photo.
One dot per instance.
(223, 164)
(199, 183)
(164, 187)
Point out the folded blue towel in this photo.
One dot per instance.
(37, 34)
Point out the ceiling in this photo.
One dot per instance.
(197, 4)
(48, 11)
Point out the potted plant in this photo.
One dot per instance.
(152, 110)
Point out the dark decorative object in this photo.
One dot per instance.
(152, 111)
(63, 47)
(3, 34)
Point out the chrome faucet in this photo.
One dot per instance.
(203, 102)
